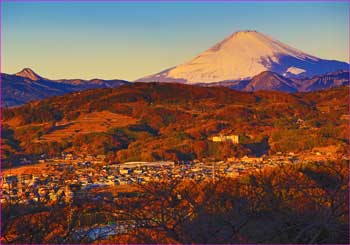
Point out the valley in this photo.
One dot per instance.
(151, 122)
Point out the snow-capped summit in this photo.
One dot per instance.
(243, 55)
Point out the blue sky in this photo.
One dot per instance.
(129, 40)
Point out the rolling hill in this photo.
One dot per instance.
(154, 121)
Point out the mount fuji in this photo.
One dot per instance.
(242, 56)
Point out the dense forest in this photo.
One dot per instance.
(175, 122)
(302, 203)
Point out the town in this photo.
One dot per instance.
(73, 177)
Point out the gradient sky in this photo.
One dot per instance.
(129, 40)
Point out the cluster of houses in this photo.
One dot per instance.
(68, 178)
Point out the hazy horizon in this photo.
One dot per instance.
(116, 40)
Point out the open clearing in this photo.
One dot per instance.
(28, 169)
(88, 123)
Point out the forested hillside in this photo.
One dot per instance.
(154, 121)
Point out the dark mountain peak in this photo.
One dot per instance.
(28, 73)
(268, 80)
(26, 86)
(271, 75)
(267, 74)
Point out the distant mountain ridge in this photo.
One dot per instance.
(243, 55)
(26, 86)
(271, 81)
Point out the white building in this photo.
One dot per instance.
(225, 138)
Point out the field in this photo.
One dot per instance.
(88, 123)
(30, 169)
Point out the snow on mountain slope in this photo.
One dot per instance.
(243, 55)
